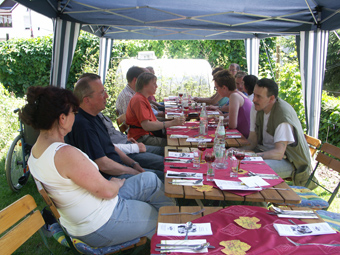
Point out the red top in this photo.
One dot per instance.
(138, 110)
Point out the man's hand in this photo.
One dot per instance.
(138, 168)
(132, 140)
(141, 147)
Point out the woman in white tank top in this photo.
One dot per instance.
(99, 212)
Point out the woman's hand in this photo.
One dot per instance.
(118, 182)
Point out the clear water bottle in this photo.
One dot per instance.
(220, 131)
(219, 145)
(203, 121)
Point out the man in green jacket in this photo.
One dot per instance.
(276, 134)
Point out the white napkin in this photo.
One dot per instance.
(183, 242)
(196, 140)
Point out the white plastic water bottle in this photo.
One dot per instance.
(203, 121)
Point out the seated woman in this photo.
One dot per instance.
(249, 84)
(143, 122)
(215, 99)
(97, 211)
(239, 104)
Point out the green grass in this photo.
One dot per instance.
(8, 127)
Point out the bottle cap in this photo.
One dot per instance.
(221, 117)
(203, 104)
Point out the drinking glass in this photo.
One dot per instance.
(210, 158)
(239, 154)
(197, 159)
(202, 146)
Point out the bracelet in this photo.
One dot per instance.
(133, 164)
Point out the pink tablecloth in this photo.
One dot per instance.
(224, 174)
(264, 241)
(192, 130)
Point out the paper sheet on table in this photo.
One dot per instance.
(233, 136)
(173, 229)
(181, 154)
(174, 113)
(171, 174)
(172, 97)
(185, 242)
(213, 113)
(254, 181)
(181, 182)
(312, 229)
(233, 185)
(196, 140)
(179, 136)
(176, 127)
(253, 159)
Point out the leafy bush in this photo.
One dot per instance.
(8, 119)
(330, 120)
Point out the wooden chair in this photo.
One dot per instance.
(31, 221)
(76, 244)
(123, 127)
(313, 144)
(329, 156)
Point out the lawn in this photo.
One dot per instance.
(8, 127)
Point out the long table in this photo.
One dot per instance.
(268, 195)
(263, 240)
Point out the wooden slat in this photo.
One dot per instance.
(191, 193)
(183, 218)
(14, 238)
(46, 198)
(289, 196)
(16, 211)
(214, 194)
(169, 218)
(170, 190)
(255, 197)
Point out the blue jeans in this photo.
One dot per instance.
(135, 214)
(150, 159)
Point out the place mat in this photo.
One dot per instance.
(264, 241)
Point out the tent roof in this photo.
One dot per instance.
(194, 19)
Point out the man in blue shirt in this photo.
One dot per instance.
(90, 135)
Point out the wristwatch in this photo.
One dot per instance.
(133, 164)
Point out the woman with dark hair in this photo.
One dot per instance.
(249, 84)
(239, 104)
(97, 211)
(144, 126)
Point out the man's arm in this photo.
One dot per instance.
(277, 153)
(111, 167)
(252, 139)
(129, 161)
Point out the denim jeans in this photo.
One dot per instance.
(151, 159)
(135, 214)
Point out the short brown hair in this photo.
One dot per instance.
(83, 88)
(225, 78)
(143, 80)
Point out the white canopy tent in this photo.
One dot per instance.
(198, 19)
